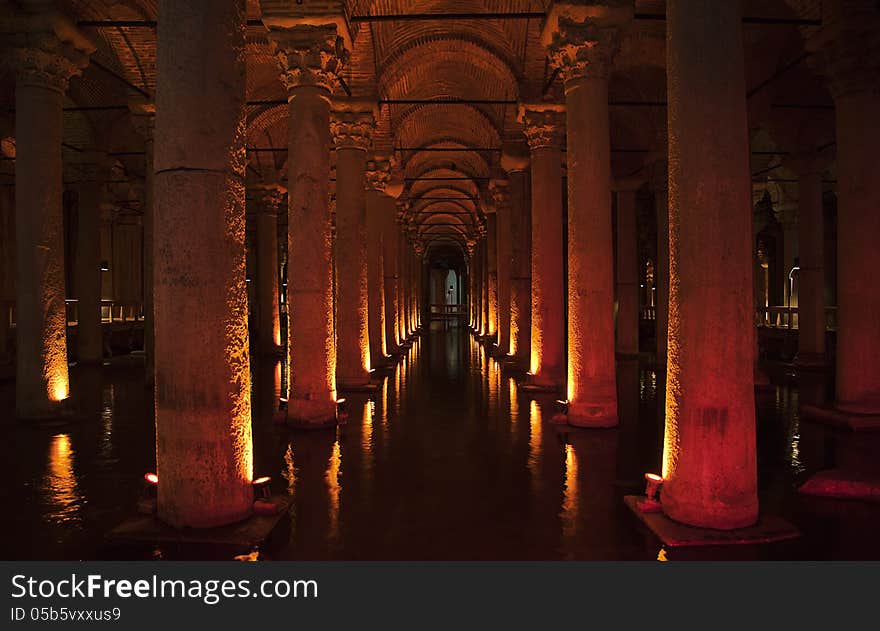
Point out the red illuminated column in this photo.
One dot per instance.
(515, 161)
(378, 176)
(352, 128)
(492, 273)
(543, 128)
(309, 58)
(581, 41)
(627, 270)
(811, 259)
(143, 117)
(89, 340)
(390, 255)
(501, 197)
(204, 449)
(853, 71)
(268, 305)
(709, 466)
(42, 72)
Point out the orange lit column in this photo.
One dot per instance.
(404, 285)
(811, 259)
(401, 274)
(543, 129)
(418, 283)
(485, 290)
(203, 405)
(501, 197)
(516, 162)
(42, 74)
(308, 56)
(709, 448)
(352, 129)
(492, 273)
(627, 270)
(268, 304)
(89, 341)
(581, 41)
(378, 176)
(390, 267)
(143, 117)
(853, 69)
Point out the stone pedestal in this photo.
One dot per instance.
(351, 126)
(46, 52)
(310, 58)
(543, 128)
(268, 271)
(709, 460)
(203, 405)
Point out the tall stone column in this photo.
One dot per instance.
(46, 51)
(352, 128)
(402, 246)
(543, 128)
(378, 174)
(627, 270)
(390, 255)
(268, 270)
(846, 46)
(581, 39)
(404, 285)
(204, 449)
(89, 337)
(516, 162)
(492, 274)
(811, 259)
(310, 57)
(501, 197)
(143, 117)
(709, 465)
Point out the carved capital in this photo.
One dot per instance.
(268, 198)
(309, 55)
(352, 128)
(500, 191)
(582, 36)
(378, 173)
(543, 124)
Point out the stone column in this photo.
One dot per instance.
(351, 126)
(853, 69)
(581, 40)
(204, 449)
(543, 129)
(390, 265)
(501, 197)
(811, 259)
(89, 337)
(402, 332)
(627, 270)
(143, 117)
(310, 57)
(46, 51)
(515, 161)
(268, 271)
(709, 465)
(492, 274)
(378, 176)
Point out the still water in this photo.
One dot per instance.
(446, 461)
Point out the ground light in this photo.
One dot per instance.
(651, 502)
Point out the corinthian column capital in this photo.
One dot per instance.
(268, 198)
(543, 124)
(582, 36)
(378, 173)
(352, 125)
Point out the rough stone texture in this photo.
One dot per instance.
(375, 278)
(501, 198)
(547, 361)
(390, 265)
(521, 266)
(203, 408)
(709, 464)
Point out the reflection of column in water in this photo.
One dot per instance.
(513, 394)
(311, 457)
(493, 379)
(107, 405)
(60, 487)
(535, 419)
(570, 514)
(334, 487)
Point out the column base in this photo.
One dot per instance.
(310, 413)
(716, 516)
(590, 415)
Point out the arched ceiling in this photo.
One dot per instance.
(415, 67)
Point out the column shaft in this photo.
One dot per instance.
(203, 406)
(375, 277)
(503, 232)
(709, 462)
(390, 256)
(521, 264)
(492, 267)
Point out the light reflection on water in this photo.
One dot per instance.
(60, 485)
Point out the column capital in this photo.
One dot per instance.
(515, 156)
(499, 188)
(847, 51)
(582, 36)
(309, 55)
(352, 124)
(378, 172)
(543, 124)
(45, 50)
(268, 197)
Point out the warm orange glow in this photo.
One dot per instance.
(60, 480)
(340, 401)
(262, 480)
(151, 478)
(570, 506)
(334, 487)
(514, 403)
(289, 472)
(653, 477)
(535, 419)
(58, 386)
